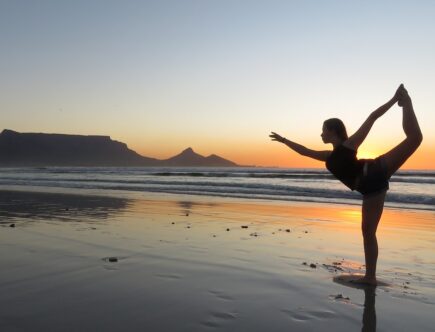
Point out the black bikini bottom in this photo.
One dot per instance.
(374, 178)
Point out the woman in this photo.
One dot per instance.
(367, 176)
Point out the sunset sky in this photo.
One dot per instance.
(217, 76)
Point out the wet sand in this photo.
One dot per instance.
(84, 261)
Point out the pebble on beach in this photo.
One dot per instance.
(340, 296)
(313, 266)
(228, 229)
(244, 226)
(288, 230)
(12, 225)
(112, 259)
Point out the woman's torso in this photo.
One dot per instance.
(344, 165)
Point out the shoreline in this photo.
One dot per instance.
(407, 190)
(167, 195)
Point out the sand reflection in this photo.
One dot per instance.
(369, 314)
(37, 206)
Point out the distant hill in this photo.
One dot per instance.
(190, 158)
(38, 149)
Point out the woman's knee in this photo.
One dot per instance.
(415, 139)
(419, 138)
(368, 231)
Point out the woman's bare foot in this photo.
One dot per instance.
(366, 281)
(402, 96)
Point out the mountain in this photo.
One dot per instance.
(35, 149)
(190, 158)
(38, 149)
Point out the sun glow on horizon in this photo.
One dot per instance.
(273, 155)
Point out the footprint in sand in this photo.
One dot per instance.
(218, 319)
(221, 295)
(304, 315)
(169, 276)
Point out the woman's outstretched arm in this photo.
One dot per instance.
(354, 141)
(302, 150)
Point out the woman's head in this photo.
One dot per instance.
(332, 129)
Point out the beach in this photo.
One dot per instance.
(201, 166)
(93, 260)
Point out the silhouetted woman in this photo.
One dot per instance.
(368, 176)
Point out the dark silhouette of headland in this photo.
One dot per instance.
(41, 150)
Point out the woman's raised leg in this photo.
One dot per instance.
(397, 156)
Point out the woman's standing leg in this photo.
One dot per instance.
(372, 209)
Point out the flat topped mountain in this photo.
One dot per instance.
(39, 149)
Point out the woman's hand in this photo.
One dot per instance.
(276, 137)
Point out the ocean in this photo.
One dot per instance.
(408, 189)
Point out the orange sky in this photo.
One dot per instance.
(274, 154)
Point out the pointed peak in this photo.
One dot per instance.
(189, 149)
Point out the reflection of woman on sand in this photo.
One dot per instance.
(369, 313)
(367, 176)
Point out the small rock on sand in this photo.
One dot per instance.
(287, 230)
(313, 266)
(228, 229)
(340, 296)
(244, 226)
(304, 263)
(12, 225)
(333, 268)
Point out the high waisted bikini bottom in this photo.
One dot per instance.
(374, 178)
